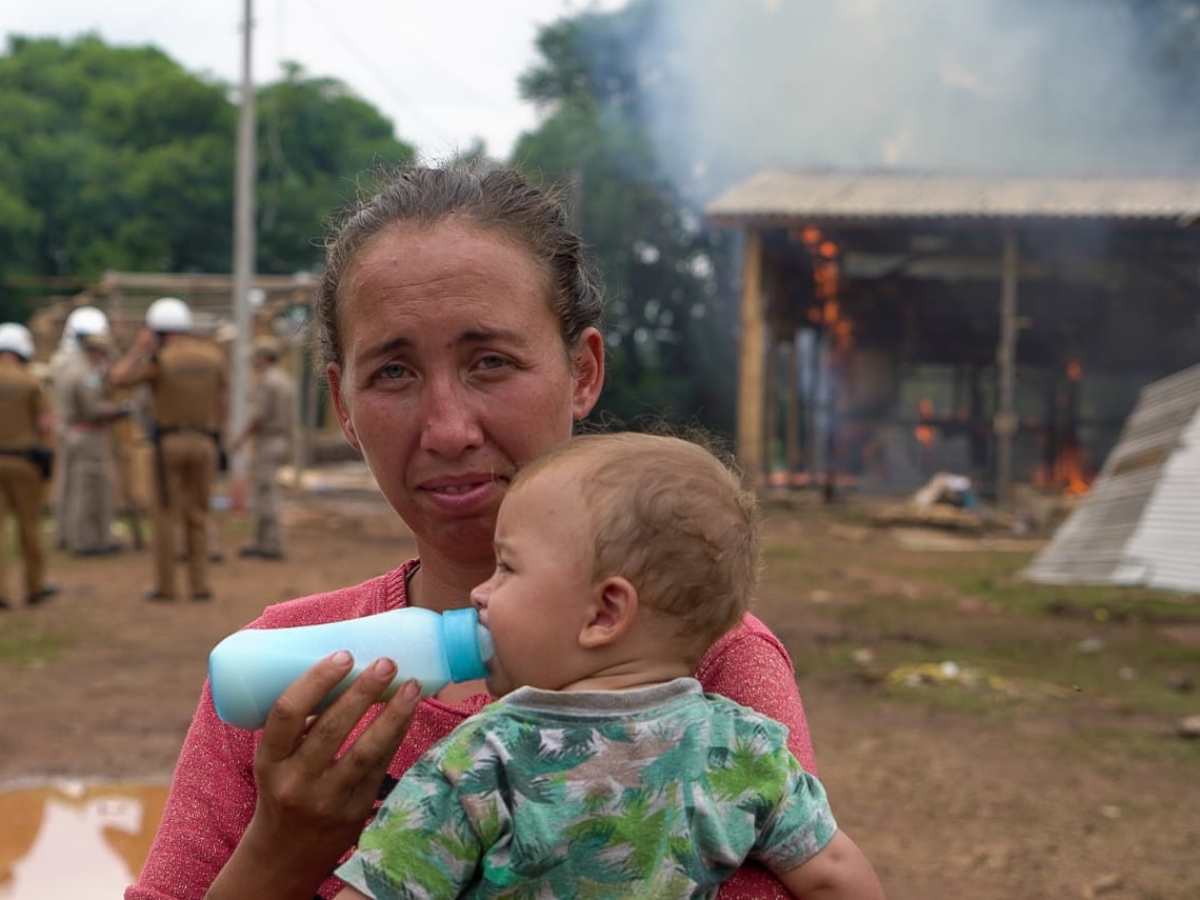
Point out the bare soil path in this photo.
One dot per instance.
(948, 803)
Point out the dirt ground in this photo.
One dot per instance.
(947, 803)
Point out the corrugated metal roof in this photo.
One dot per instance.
(816, 195)
(1140, 523)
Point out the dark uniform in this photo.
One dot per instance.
(22, 411)
(188, 384)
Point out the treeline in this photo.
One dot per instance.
(115, 157)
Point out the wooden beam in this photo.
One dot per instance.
(791, 441)
(751, 362)
(771, 397)
(1005, 424)
(166, 282)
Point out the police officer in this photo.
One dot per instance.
(270, 427)
(65, 366)
(25, 432)
(189, 394)
(87, 411)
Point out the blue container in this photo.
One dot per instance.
(248, 670)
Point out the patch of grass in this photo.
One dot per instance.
(1110, 748)
(25, 642)
(996, 577)
(779, 553)
(1133, 672)
(1105, 664)
(1037, 646)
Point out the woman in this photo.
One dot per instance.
(459, 326)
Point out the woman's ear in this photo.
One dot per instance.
(588, 361)
(611, 614)
(333, 375)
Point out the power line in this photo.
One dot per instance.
(363, 58)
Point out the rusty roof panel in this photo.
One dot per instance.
(816, 195)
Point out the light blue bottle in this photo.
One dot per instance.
(248, 670)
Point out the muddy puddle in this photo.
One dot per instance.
(83, 840)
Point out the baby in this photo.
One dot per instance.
(604, 771)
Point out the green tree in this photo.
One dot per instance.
(669, 348)
(117, 158)
(314, 135)
(113, 158)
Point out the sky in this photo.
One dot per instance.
(444, 71)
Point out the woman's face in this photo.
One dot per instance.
(453, 375)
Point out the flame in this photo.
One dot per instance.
(843, 334)
(827, 284)
(830, 312)
(1069, 472)
(924, 432)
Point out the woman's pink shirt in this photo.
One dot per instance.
(213, 793)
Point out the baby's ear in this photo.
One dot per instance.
(613, 608)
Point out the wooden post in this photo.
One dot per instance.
(751, 363)
(808, 351)
(791, 419)
(1005, 423)
(771, 427)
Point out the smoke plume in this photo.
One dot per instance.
(1013, 86)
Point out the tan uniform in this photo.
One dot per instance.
(60, 364)
(188, 382)
(86, 410)
(274, 412)
(22, 406)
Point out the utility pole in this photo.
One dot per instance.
(243, 251)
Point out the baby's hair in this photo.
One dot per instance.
(671, 516)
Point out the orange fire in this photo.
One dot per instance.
(827, 284)
(924, 432)
(810, 235)
(1069, 473)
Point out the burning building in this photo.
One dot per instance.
(894, 325)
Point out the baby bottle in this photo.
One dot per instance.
(248, 670)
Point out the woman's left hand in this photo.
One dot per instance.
(312, 803)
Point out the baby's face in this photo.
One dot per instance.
(535, 603)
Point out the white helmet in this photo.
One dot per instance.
(16, 339)
(169, 314)
(86, 320)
